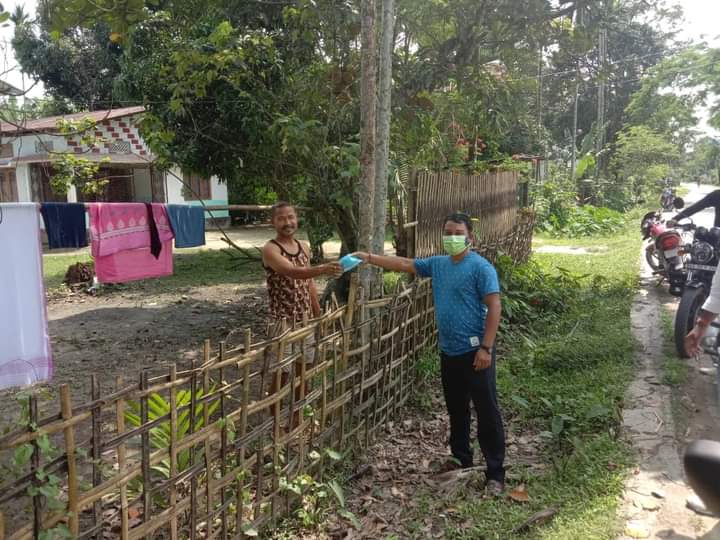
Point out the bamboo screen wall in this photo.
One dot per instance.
(491, 198)
(205, 452)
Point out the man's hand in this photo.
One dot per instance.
(693, 339)
(333, 269)
(483, 359)
(361, 255)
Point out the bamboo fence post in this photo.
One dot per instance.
(191, 430)
(223, 444)
(259, 495)
(69, 433)
(206, 445)
(96, 453)
(35, 462)
(277, 429)
(240, 501)
(145, 441)
(173, 450)
(120, 421)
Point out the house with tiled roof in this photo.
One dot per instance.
(29, 148)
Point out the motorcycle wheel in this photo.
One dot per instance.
(690, 304)
(652, 258)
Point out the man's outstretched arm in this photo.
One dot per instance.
(388, 262)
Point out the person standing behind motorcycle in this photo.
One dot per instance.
(709, 311)
(711, 200)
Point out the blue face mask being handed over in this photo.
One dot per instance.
(455, 244)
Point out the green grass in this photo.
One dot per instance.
(619, 262)
(195, 269)
(674, 369)
(55, 266)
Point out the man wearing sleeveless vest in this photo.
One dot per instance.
(289, 274)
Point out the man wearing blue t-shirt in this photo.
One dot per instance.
(467, 309)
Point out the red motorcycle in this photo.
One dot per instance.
(665, 253)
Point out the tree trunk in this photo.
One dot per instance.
(382, 150)
(367, 134)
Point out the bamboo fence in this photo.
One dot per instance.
(491, 200)
(205, 452)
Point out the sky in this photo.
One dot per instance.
(701, 20)
(701, 23)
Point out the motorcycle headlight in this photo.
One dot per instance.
(702, 252)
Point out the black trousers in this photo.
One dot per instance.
(462, 383)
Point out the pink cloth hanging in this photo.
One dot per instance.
(134, 264)
(120, 237)
(121, 226)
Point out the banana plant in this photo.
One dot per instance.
(158, 407)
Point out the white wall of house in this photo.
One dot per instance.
(173, 187)
(38, 144)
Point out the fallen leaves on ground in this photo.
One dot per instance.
(519, 494)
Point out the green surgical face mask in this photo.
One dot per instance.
(455, 244)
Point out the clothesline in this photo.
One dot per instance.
(66, 223)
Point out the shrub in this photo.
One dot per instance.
(584, 221)
(530, 293)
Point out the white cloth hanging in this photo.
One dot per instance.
(25, 355)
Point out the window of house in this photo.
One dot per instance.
(6, 150)
(196, 187)
(8, 186)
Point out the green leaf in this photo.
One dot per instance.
(23, 454)
(521, 401)
(44, 444)
(596, 411)
(347, 514)
(557, 425)
(333, 454)
(337, 491)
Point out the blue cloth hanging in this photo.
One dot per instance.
(64, 224)
(188, 224)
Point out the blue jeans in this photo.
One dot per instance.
(462, 383)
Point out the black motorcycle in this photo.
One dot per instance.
(704, 256)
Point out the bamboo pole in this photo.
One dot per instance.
(173, 451)
(66, 411)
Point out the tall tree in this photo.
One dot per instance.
(368, 117)
(382, 149)
(77, 66)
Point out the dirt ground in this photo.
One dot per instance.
(121, 332)
(660, 421)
